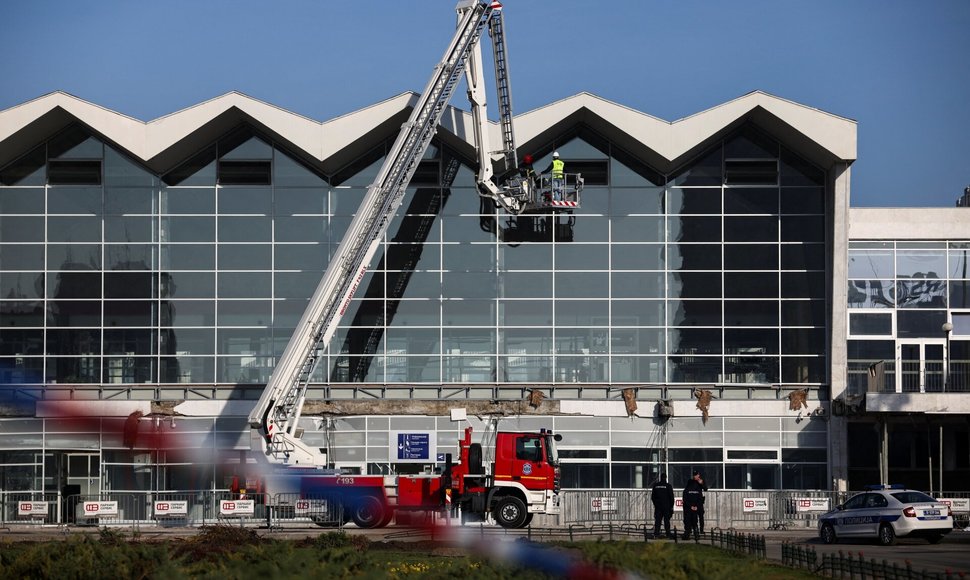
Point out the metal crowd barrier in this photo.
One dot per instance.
(747, 509)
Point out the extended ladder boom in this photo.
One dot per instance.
(278, 410)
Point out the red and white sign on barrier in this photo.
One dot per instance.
(678, 504)
(602, 504)
(754, 504)
(101, 509)
(34, 509)
(959, 505)
(164, 509)
(237, 507)
(812, 504)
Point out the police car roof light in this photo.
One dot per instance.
(880, 486)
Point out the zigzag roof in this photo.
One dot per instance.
(161, 143)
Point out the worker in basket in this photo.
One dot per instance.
(558, 171)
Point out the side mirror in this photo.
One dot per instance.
(557, 437)
(840, 507)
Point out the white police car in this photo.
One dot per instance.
(886, 512)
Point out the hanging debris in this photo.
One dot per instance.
(535, 398)
(130, 435)
(797, 400)
(630, 400)
(704, 397)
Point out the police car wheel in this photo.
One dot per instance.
(887, 536)
(828, 534)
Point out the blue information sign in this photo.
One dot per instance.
(413, 446)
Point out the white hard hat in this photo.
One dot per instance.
(556, 154)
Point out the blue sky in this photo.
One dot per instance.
(899, 68)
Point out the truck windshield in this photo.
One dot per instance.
(552, 454)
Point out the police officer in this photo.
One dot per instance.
(693, 503)
(700, 510)
(662, 496)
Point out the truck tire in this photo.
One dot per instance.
(368, 512)
(475, 459)
(509, 512)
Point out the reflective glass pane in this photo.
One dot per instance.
(871, 294)
(916, 264)
(129, 257)
(129, 229)
(244, 312)
(750, 257)
(694, 313)
(750, 285)
(245, 200)
(751, 312)
(803, 228)
(525, 312)
(694, 256)
(187, 285)
(72, 229)
(751, 341)
(245, 285)
(129, 341)
(129, 313)
(694, 229)
(694, 200)
(638, 229)
(526, 284)
(74, 200)
(582, 284)
(803, 257)
(74, 285)
(694, 369)
(245, 229)
(21, 229)
(245, 257)
(22, 200)
(803, 284)
(751, 229)
(803, 313)
(188, 229)
(21, 313)
(637, 257)
(21, 285)
(188, 313)
(808, 200)
(704, 170)
(639, 313)
(130, 285)
(188, 257)
(751, 369)
(921, 294)
(21, 257)
(120, 171)
(194, 200)
(637, 284)
(694, 341)
(73, 257)
(628, 201)
(749, 200)
(582, 312)
(582, 257)
(694, 285)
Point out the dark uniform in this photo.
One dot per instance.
(662, 496)
(693, 503)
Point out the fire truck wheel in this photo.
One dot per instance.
(368, 512)
(509, 512)
(528, 520)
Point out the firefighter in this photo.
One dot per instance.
(693, 503)
(662, 496)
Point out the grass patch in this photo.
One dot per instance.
(231, 552)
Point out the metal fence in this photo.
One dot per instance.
(748, 509)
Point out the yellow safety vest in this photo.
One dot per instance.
(557, 168)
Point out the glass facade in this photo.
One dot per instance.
(900, 295)
(715, 273)
(712, 274)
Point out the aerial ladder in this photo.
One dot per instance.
(275, 418)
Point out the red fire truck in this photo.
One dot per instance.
(523, 480)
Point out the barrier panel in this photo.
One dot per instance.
(29, 508)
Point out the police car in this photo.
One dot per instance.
(886, 512)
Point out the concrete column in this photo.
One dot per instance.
(837, 234)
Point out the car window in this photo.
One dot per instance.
(856, 502)
(913, 497)
(528, 449)
(874, 500)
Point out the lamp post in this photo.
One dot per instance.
(947, 328)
